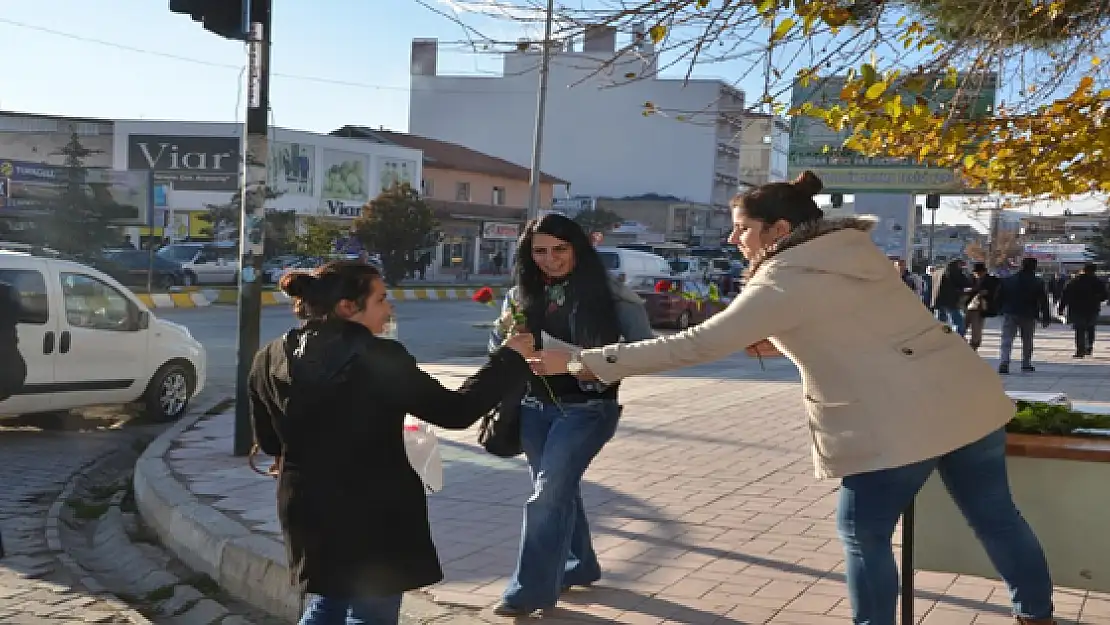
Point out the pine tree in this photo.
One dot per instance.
(81, 221)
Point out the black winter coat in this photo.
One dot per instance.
(330, 398)
(1082, 299)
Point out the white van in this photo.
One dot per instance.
(89, 341)
(629, 266)
(205, 263)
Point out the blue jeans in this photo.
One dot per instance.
(320, 610)
(975, 476)
(555, 546)
(955, 317)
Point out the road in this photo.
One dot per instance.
(431, 331)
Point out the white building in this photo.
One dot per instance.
(595, 134)
(196, 164)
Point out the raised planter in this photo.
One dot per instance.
(1059, 484)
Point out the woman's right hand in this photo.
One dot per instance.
(522, 343)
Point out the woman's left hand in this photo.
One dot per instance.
(549, 362)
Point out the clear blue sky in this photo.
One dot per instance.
(335, 62)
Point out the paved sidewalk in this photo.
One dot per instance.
(704, 507)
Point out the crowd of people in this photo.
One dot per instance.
(329, 400)
(1023, 299)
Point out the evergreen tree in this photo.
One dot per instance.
(80, 222)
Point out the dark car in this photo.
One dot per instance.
(678, 302)
(131, 267)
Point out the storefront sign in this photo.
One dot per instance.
(339, 208)
(1060, 252)
(188, 163)
(501, 231)
(36, 188)
(345, 177)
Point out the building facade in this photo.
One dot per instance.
(596, 133)
(481, 201)
(196, 164)
(764, 149)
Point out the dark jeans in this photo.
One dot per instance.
(1011, 326)
(555, 545)
(975, 476)
(953, 316)
(365, 611)
(1084, 336)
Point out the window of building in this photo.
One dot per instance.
(462, 191)
(499, 196)
(428, 188)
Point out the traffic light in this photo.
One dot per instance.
(226, 18)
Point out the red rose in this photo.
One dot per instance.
(483, 295)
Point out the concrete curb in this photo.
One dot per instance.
(54, 544)
(210, 297)
(249, 567)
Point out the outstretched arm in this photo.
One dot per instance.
(762, 310)
(412, 390)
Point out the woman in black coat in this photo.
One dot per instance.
(328, 401)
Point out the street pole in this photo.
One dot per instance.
(252, 182)
(992, 241)
(932, 234)
(541, 110)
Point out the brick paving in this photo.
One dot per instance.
(704, 507)
(35, 589)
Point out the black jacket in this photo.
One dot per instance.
(987, 287)
(951, 287)
(1025, 295)
(13, 369)
(330, 399)
(1082, 298)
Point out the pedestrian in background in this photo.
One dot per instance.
(982, 302)
(1081, 300)
(948, 296)
(13, 369)
(891, 394)
(1023, 300)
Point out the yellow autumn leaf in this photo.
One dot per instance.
(1096, 61)
(782, 29)
(875, 91)
(657, 33)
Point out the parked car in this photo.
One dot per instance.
(131, 268)
(629, 266)
(206, 263)
(678, 302)
(88, 341)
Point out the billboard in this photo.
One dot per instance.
(292, 168)
(393, 171)
(34, 189)
(201, 163)
(345, 187)
(815, 146)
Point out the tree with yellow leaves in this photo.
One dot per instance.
(1049, 137)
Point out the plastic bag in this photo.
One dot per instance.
(422, 447)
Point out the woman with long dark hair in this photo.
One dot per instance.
(890, 394)
(328, 401)
(566, 297)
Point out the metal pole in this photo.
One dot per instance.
(992, 247)
(932, 233)
(541, 109)
(907, 565)
(252, 178)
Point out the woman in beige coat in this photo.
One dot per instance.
(872, 360)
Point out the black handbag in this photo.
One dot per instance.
(499, 431)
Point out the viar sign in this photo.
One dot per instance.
(189, 163)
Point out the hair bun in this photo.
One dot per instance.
(807, 182)
(297, 283)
